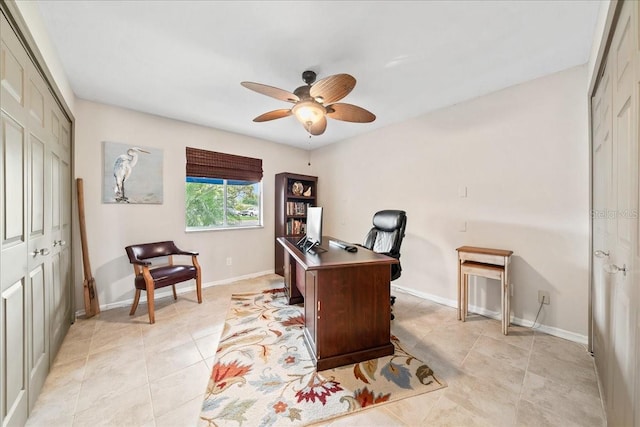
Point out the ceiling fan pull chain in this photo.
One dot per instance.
(309, 150)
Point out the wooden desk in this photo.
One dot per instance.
(484, 262)
(346, 301)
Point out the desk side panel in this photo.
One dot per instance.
(355, 310)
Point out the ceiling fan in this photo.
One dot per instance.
(314, 102)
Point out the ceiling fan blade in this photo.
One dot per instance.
(349, 113)
(319, 127)
(333, 88)
(271, 91)
(272, 115)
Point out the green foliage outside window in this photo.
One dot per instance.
(207, 207)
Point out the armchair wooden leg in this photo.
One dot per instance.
(194, 260)
(136, 300)
(175, 295)
(150, 296)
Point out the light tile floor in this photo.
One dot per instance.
(117, 370)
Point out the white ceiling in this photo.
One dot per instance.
(185, 59)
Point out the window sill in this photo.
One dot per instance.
(245, 227)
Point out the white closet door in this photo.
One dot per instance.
(35, 223)
(14, 228)
(615, 191)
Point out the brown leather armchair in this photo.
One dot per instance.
(149, 278)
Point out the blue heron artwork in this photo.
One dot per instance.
(132, 174)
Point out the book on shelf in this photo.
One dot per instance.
(296, 226)
(296, 208)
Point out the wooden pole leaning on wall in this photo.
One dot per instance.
(91, 304)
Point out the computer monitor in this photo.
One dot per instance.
(314, 226)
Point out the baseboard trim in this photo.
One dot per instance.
(166, 292)
(561, 333)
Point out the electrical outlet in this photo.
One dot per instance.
(229, 261)
(543, 297)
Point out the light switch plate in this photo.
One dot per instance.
(462, 191)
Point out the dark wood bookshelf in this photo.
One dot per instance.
(290, 206)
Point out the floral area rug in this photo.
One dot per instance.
(263, 374)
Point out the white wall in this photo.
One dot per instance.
(111, 227)
(32, 17)
(521, 152)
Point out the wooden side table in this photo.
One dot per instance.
(484, 262)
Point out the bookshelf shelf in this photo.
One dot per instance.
(294, 193)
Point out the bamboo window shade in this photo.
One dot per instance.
(211, 164)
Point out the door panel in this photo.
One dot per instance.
(14, 404)
(36, 220)
(55, 193)
(12, 73)
(36, 105)
(38, 333)
(14, 181)
(57, 305)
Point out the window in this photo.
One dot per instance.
(222, 191)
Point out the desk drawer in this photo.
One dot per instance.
(482, 258)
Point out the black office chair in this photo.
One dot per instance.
(386, 237)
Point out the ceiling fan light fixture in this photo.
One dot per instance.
(308, 112)
(314, 102)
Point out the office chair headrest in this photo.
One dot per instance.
(388, 220)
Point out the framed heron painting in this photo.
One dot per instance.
(131, 174)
